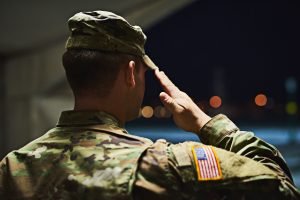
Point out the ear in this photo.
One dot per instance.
(130, 78)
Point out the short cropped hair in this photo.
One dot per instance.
(93, 72)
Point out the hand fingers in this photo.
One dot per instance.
(166, 83)
(169, 102)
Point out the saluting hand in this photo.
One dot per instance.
(186, 114)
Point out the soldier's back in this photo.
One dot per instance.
(74, 163)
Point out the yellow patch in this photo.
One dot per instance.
(207, 163)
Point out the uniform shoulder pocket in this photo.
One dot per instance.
(182, 157)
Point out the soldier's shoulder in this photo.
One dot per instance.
(169, 155)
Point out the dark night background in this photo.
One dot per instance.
(232, 49)
(255, 45)
(235, 50)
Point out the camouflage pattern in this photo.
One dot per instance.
(106, 31)
(88, 155)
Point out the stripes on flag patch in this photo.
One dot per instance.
(207, 163)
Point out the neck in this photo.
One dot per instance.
(112, 106)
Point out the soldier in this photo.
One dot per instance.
(90, 155)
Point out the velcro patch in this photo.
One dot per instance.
(207, 163)
(181, 155)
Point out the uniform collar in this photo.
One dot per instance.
(84, 118)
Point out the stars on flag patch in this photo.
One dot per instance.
(207, 163)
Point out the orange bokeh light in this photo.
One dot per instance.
(261, 100)
(147, 112)
(215, 101)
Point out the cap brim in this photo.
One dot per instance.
(149, 62)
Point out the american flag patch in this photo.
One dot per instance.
(207, 163)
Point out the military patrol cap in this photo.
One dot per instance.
(106, 31)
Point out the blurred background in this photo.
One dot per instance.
(236, 58)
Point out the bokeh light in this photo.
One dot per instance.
(291, 85)
(261, 100)
(157, 111)
(291, 108)
(161, 112)
(215, 101)
(165, 113)
(147, 112)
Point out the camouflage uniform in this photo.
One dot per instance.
(89, 156)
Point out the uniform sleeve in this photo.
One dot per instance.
(222, 133)
(249, 168)
(156, 176)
